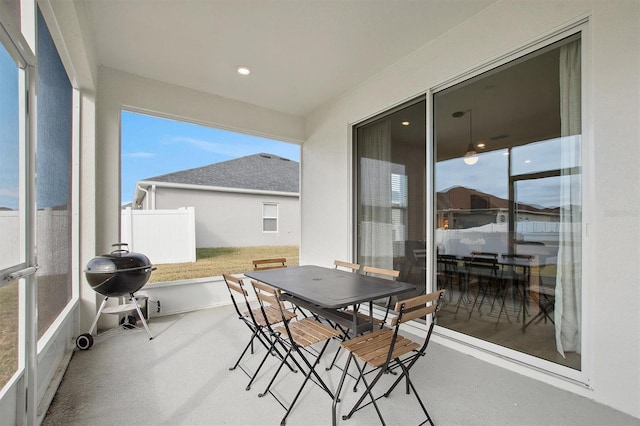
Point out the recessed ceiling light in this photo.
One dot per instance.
(405, 123)
(480, 145)
(243, 71)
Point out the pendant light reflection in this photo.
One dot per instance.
(471, 156)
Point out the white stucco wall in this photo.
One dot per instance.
(611, 361)
(229, 219)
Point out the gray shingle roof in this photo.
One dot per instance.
(266, 172)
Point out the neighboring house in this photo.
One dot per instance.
(248, 201)
(461, 208)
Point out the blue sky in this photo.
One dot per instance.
(9, 144)
(153, 146)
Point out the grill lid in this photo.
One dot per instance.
(119, 273)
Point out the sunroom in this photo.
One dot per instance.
(495, 136)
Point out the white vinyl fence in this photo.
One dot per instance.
(52, 235)
(164, 236)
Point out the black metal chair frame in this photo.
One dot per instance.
(485, 267)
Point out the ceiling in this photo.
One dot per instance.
(302, 54)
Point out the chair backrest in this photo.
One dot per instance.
(353, 267)
(236, 287)
(273, 263)
(418, 307)
(392, 273)
(448, 262)
(267, 295)
(483, 254)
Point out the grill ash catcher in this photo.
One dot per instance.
(118, 274)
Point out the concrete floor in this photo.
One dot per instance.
(181, 377)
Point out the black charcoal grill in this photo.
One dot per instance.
(118, 274)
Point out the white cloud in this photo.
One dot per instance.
(232, 150)
(8, 192)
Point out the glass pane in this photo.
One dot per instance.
(508, 223)
(391, 170)
(53, 163)
(9, 321)
(10, 216)
(269, 225)
(270, 210)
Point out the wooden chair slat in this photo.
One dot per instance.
(381, 271)
(418, 300)
(273, 263)
(363, 343)
(347, 265)
(418, 313)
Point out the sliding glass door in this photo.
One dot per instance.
(390, 165)
(508, 207)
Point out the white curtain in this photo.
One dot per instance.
(376, 243)
(568, 302)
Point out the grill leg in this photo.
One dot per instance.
(95, 321)
(144, 321)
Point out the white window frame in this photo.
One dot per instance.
(265, 216)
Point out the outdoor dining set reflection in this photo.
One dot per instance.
(319, 326)
(506, 287)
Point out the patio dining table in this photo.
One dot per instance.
(324, 291)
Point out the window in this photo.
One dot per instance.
(11, 213)
(390, 170)
(269, 217)
(508, 224)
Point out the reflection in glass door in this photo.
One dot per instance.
(508, 208)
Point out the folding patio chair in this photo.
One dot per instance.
(298, 335)
(354, 267)
(348, 267)
(387, 273)
(258, 320)
(382, 272)
(387, 349)
(484, 267)
(274, 263)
